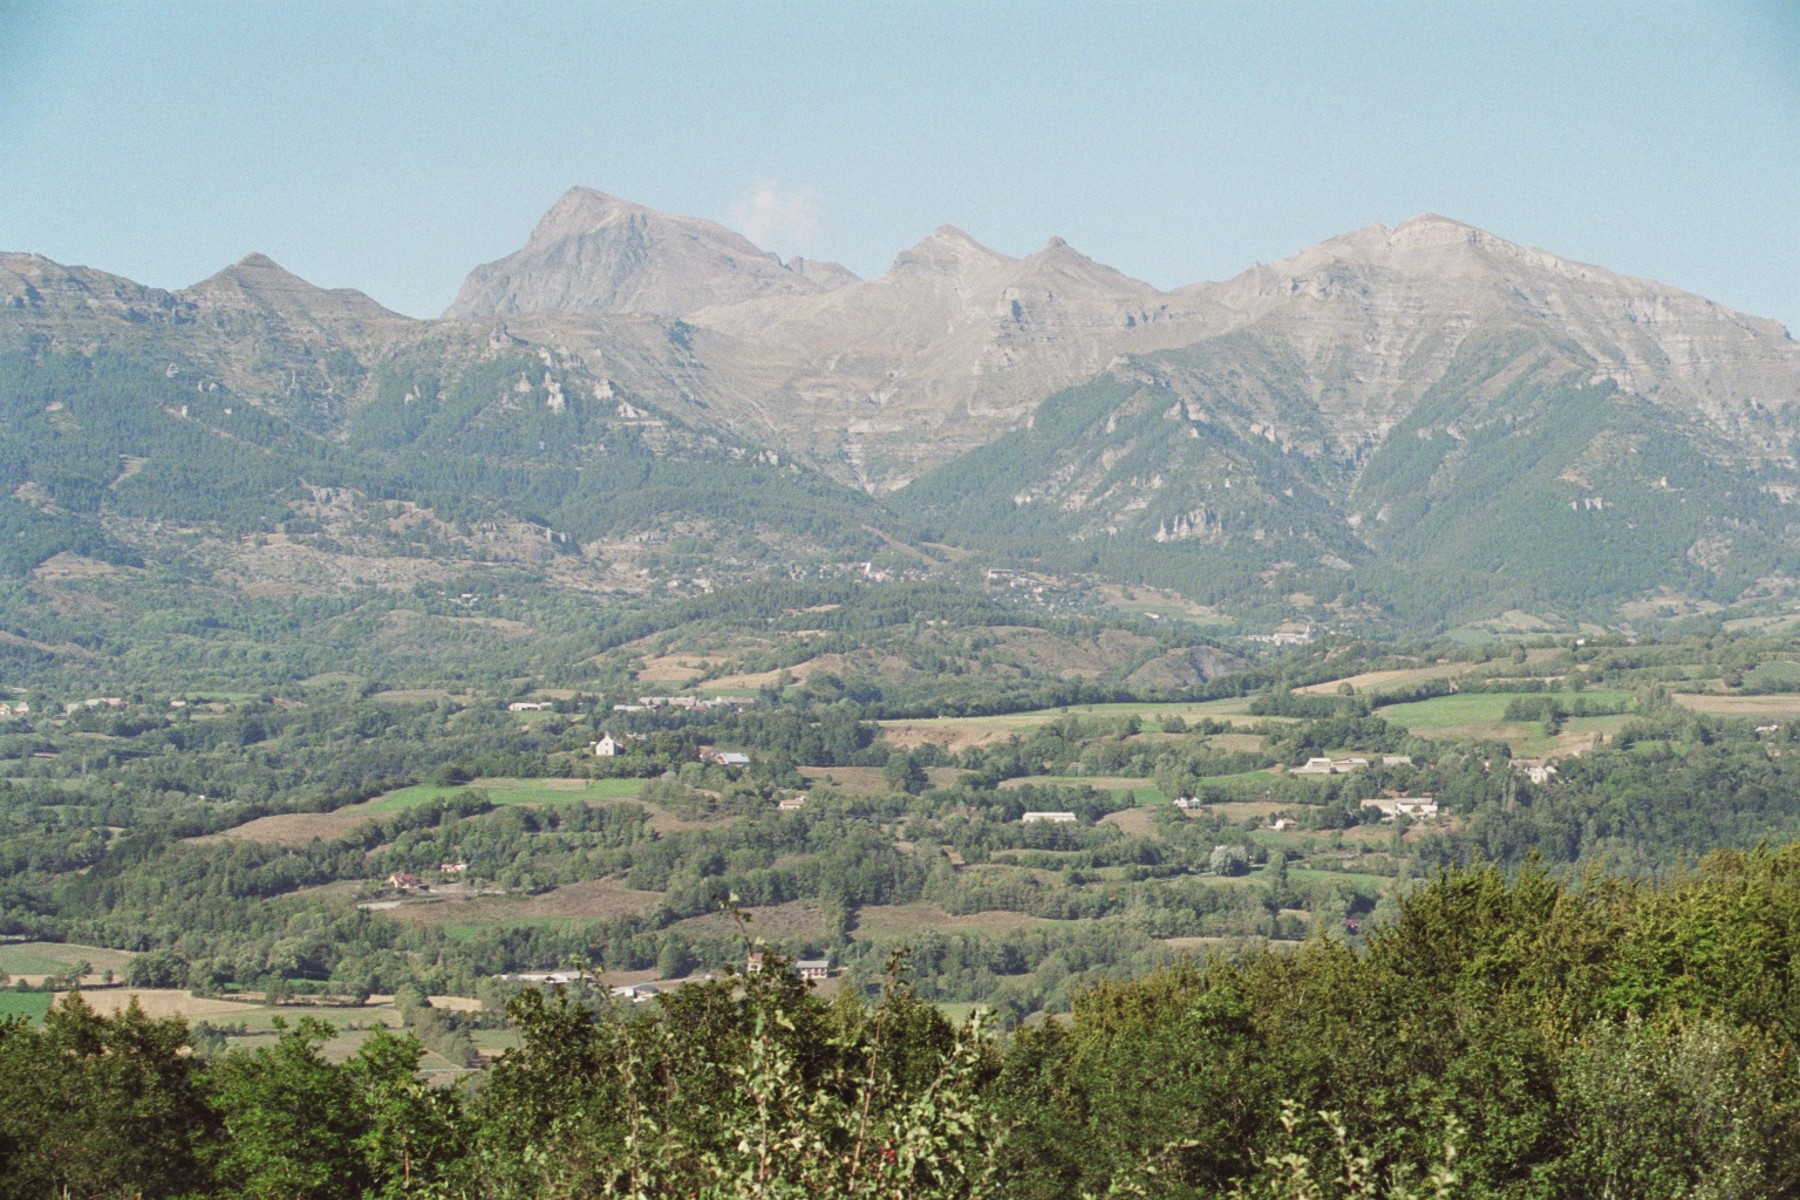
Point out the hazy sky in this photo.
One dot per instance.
(390, 146)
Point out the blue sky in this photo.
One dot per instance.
(390, 146)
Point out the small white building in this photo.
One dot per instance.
(791, 804)
(637, 993)
(1283, 824)
(606, 747)
(1419, 808)
(530, 706)
(1052, 818)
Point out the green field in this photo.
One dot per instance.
(57, 958)
(511, 791)
(1483, 715)
(1478, 708)
(1146, 790)
(32, 1005)
(1241, 777)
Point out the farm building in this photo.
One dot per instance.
(1418, 807)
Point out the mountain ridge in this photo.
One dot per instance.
(1317, 431)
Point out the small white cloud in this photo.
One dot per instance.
(776, 215)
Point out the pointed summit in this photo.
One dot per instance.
(257, 282)
(946, 250)
(595, 253)
(1060, 261)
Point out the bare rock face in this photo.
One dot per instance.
(1376, 316)
(594, 253)
(952, 346)
(876, 381)
(36, 293)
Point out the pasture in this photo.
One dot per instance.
(34, 960)
(1482, 715)
(30, 1005)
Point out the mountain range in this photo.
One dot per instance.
(1424, 424)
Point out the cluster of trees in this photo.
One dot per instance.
(1507, 1035)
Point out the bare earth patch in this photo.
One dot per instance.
(162, 1002)
(1131, 820)
(796, 919)
(1741, 706)
(1376, 680)
(589, 900)
(292, 829)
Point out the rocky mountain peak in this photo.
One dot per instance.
(583, 210)
(595, 253)
(257, 283)
(946, 250)
(1060, 261)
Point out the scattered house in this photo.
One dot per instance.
(405, 881)
(453, 868)
(554, 977)
(637, 993)
(530, 706)
(1330, 766)
(790, 804)
(75, 706)
(9, 712)
(610, 747)
(692, 703)
(1283, 824)
(1420, 808)
(1396, 760)
(1282, 637)
(725, 758)
(1187, 803)
(805, 968)
(1538, 770)
(1761, 730)
(1053, 818)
